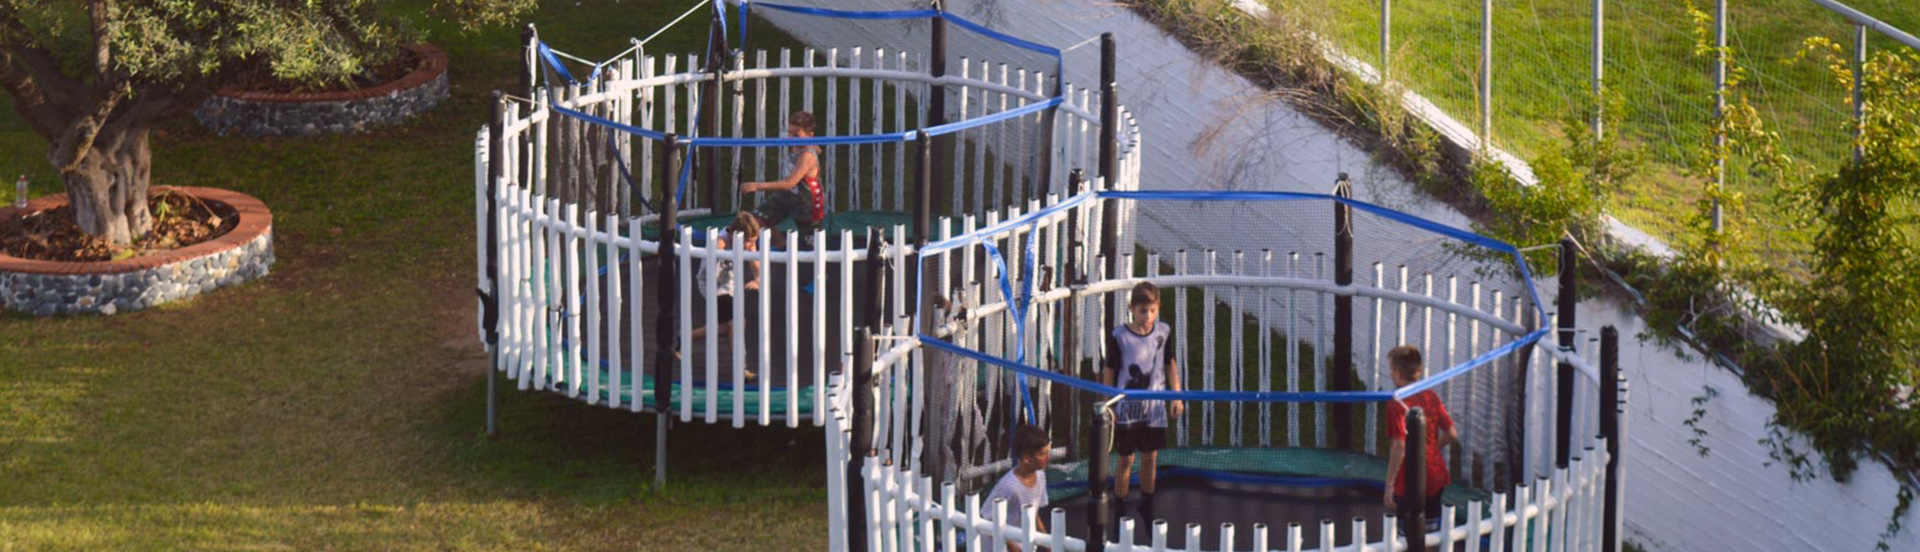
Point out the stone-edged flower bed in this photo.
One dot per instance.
(46, 288)
(261, 113)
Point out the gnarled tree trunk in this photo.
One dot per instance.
(108, 186)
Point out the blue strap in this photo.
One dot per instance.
(1018, 306)
(554, 61)
(1436, 379)
(996, 35)
(625, 174)
(850, 14)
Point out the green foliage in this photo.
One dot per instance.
(1845, 388)
(1574, 187)
(182, 43)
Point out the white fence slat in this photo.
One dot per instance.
(948, 534)
(1326, 535)
(1294, 537)
(763, 341)
(1448, 527)
(736, 253)
(820, 287)
(614, 319)
(1359, 534)
(636, 303)
(686, 260)
(1373, 408)
(792, 323)
(1320, 343)
(594, 323)
(1259, 537)
(1475, 525)
(1497, 534)
(1293, 352)
(1226, 537)
(1159, 535)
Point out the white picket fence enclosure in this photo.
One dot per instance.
(576, 273)
(1543, 506)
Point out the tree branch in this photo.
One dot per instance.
(102, 42)
(72, 146)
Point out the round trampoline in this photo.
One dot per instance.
(601, 188)
(1278, 340)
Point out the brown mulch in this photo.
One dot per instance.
(179, 220)
(262, 80)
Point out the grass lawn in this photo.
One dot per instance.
(1542, 71)
(337, 404)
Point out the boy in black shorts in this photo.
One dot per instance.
(1140, 357)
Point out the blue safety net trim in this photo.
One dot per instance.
(1519, 260)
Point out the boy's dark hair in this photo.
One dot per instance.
(1405, 361)
(1027, 439)
(746, 225)
(1144, 293)
(801, 119)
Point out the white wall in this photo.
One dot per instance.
(1207, 128)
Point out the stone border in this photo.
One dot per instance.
(46, 288)
(250, 113)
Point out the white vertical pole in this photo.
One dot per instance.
(830, 154)
(1373, 410)
(820, 288)
(1207, 350)
(636, 303)
(1266, 327)
(764, 339)
(1294, 365)
(1327, 535)
(792, 323)
(1320, 351)
(1235, 329)
(1599, 67)
(1496, 536)
(686, 260)
(614, 318)
(1475, 521)
(594, 322)
(1294, 537)
(1180, 350)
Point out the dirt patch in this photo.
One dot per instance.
(378, 72)
(179, 220)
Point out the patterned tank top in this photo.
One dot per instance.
(816, 197)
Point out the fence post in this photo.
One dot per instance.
(1342, 313)
(1097, 473)
(1414, 472)
(1612, 406)
(1569, 289)
(1386, 38)
(490, 316)
(664, 322)
(1486, 76)
(862, 442)
(1070, 315)
(1859, 101)
(1719, 106)
(1599, 67)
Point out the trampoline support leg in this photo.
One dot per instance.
(493, 396)
(660, 450)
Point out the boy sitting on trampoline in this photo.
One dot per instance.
(1409, 368)
(798, 196)
(1140, 357)
(1025, 484)
(721, 271)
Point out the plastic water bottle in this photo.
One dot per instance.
(20, 193)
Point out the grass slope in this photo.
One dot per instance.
(1543, 68)
(337, 404)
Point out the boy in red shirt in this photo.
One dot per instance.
(1407, 368)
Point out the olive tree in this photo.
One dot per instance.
(94, 77)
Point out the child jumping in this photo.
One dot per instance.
(1025, 484)
(798, 196)
(1409, 368)
(1140, 357)
(721, 272)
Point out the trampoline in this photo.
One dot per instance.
(578, 175)
(1281, 351)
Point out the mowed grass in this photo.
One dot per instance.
(1542, 54)
(338, 403)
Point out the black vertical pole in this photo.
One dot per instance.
(1610, 410)
(1563, 443)
(1414, 472)
(937, 106)
(1109, 158)
(710, 115)
(1342, 314)
(490, 297)
(665, 321)
(862, 446)
(1070, 318)
(922, 215)
(1097, 474)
